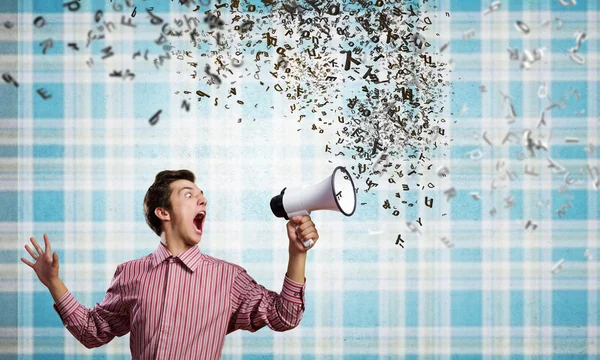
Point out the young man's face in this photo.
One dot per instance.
(187, 202)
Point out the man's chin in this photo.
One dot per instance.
(193, 241)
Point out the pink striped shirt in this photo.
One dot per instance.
(181, 307)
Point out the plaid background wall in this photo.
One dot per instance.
(77, 165)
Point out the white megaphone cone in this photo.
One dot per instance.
(336, 193)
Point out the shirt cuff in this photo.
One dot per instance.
(293, 291)
(66, 305)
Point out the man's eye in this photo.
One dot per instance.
(188, 194)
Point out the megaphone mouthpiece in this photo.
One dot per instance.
(277, 205)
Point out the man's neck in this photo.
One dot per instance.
(174, 247)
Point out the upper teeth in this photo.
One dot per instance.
(202, 213)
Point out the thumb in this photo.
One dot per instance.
(55, 259)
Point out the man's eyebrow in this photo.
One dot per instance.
(187, 187)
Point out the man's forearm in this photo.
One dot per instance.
(57, 289)
(296, 265)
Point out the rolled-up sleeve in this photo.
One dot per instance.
(99, 325)
(253, 306)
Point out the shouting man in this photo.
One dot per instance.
(177, 302)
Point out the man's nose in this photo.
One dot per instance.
(202, 200)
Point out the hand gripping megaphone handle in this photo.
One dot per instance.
(309, 242)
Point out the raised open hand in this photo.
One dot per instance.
(46, 262)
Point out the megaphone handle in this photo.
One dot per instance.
(308, 242)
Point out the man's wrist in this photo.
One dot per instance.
(295, 270)
(54, 283)
(297, 255)
(57, 288)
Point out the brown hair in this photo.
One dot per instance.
(159, 195)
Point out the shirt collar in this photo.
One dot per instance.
(191, 257)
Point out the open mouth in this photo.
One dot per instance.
(199, 222)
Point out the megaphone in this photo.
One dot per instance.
(336, 193)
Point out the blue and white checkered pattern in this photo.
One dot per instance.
(77, 165)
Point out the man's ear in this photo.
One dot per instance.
(162, 213)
